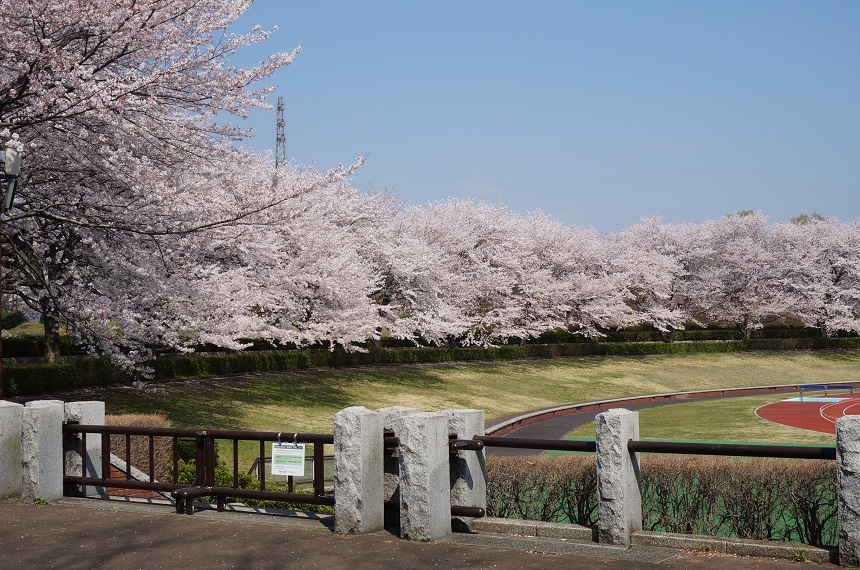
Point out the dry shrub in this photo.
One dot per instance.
(139, 444)
(790, 500)
(813, 501)
(681, 493)
(767, 499)
(543, 488)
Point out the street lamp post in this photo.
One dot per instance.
(11, 159)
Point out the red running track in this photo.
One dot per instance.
(816, 416)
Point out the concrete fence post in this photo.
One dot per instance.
(619, 508)
(84, 413)
(358, 471)
(848, 488)
(391, 459)
(468, 468)
(42, 450)
(11, 416)
(425, 489)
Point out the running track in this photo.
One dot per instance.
(816, 416)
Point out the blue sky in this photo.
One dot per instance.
(597, 113)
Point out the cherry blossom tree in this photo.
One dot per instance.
(290, 272)
(118, 110)
(824, 276)
(572, 279)
(739, 272)
(449, 272)
(481, 274)
(655, 256)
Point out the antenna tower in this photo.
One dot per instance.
(280, 136)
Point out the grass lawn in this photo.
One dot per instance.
(307, 400)
(726, 420)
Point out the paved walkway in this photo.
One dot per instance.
(90, 533)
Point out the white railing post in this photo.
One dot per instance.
(425, 488)
(11, 417)
(358, 471)
(468, 468)
(42, 450)
(848, 488)
(618, 480)
(84, 413)
(391, 459)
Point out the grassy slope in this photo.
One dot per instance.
(306, 401)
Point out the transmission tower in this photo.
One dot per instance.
(280, 136)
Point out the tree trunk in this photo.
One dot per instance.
(52, 338)
(668, 335)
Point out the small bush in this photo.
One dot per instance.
(12, 319)
(788, 500)
(162, 468)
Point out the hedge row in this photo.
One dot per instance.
(33, 346)
(227, 364)
(787, 500)
(71, 374)
(686, 335)
(24, 380)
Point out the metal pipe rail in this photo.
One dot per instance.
(729, 449)
(536, 443)
(733, 449)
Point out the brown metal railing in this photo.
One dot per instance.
(72, 429)
(185, 496)
(673, 447)
(733, 449)
(205, 463)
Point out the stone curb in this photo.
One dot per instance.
(542, 529)
(741, 547)
(662, 542)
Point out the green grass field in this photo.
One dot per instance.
(307, 400)
(726, 420)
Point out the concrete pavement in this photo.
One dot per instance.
(91, 533)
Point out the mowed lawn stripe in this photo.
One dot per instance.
(307, 400)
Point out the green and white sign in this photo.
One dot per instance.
(288, 459)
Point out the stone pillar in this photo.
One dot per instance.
(619, 498)
(425, 489)
(848, 488)
(358, 475)
(11, 415)
(468, 468)
(84, 413)
(42, 450)
(391, 457)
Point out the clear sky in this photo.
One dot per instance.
(597, 113)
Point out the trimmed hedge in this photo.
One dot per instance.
(227, 364)
(790, 500)
(33, 346)
(31, 379)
